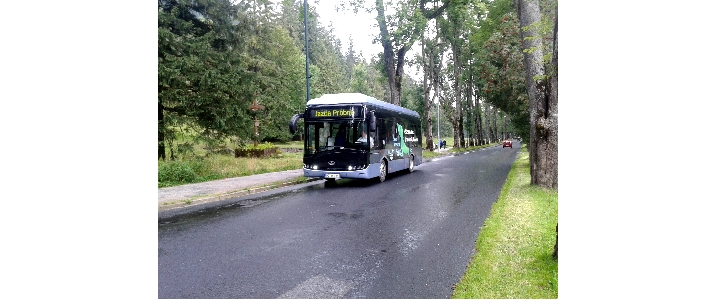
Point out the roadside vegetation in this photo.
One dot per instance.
(199, 164)
(513, 254)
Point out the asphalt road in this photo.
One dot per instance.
(411, 236)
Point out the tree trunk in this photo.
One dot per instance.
(388, 51)
(398, 76)
(458, 126)
(496, 126)
(553, 107)
(395, 67)
(427, 104)
(160, 132)
(478, 125)
(550, 144)
(489, 131)
(470, 110)
(543, 150)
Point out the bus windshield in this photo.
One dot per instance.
(337, 135)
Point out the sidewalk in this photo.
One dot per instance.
(197, 193)
(217, 190)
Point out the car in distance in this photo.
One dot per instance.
(507, 143)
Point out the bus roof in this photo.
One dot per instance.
(358, 98)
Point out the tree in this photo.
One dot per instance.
(412, 96)
(332, 71)
(431, 60)
(397, 34)
(197, 81)
(283, 95)
(501, 72)
(543, 106)
(360, 82)
(453, 30)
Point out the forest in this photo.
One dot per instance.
(488, 70)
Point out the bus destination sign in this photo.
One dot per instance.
(333, 112)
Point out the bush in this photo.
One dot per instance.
(176, 172)
(262, 150)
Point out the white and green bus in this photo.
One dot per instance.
(352, 135)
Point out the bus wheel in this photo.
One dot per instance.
(411, 164)
(382, 171)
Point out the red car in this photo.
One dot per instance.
(507, 143)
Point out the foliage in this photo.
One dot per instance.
(544, 28)
(261, 146)
(198, 78)
(502, 73)
(412, 96)
(215, 59)
(177, 172)
(359, 82)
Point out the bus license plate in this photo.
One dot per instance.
(335, 176)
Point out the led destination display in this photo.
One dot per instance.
(334, 112)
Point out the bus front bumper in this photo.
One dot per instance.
(359, 174)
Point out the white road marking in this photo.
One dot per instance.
(319, 287)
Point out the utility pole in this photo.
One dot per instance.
(306, 47)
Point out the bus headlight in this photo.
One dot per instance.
(350, 168)
(314, 167)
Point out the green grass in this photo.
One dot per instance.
(217, 166)
(513, 252)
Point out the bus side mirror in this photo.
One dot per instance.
(293, 123)
(372, 121)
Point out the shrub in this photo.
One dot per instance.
(174, 172)
(262, 150)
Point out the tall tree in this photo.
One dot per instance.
(377, 79)
(197, 81)
(543, 146)
(331, 74)
(431, 60)
(502, 74)
(360, 80)
(411, 19)
(398, 32)
(452, 27)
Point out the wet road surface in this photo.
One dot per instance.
(408, 237)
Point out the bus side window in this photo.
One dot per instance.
(380, 136)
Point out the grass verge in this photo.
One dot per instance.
(513, 251)
(214, 167)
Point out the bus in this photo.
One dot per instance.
(352, 135)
